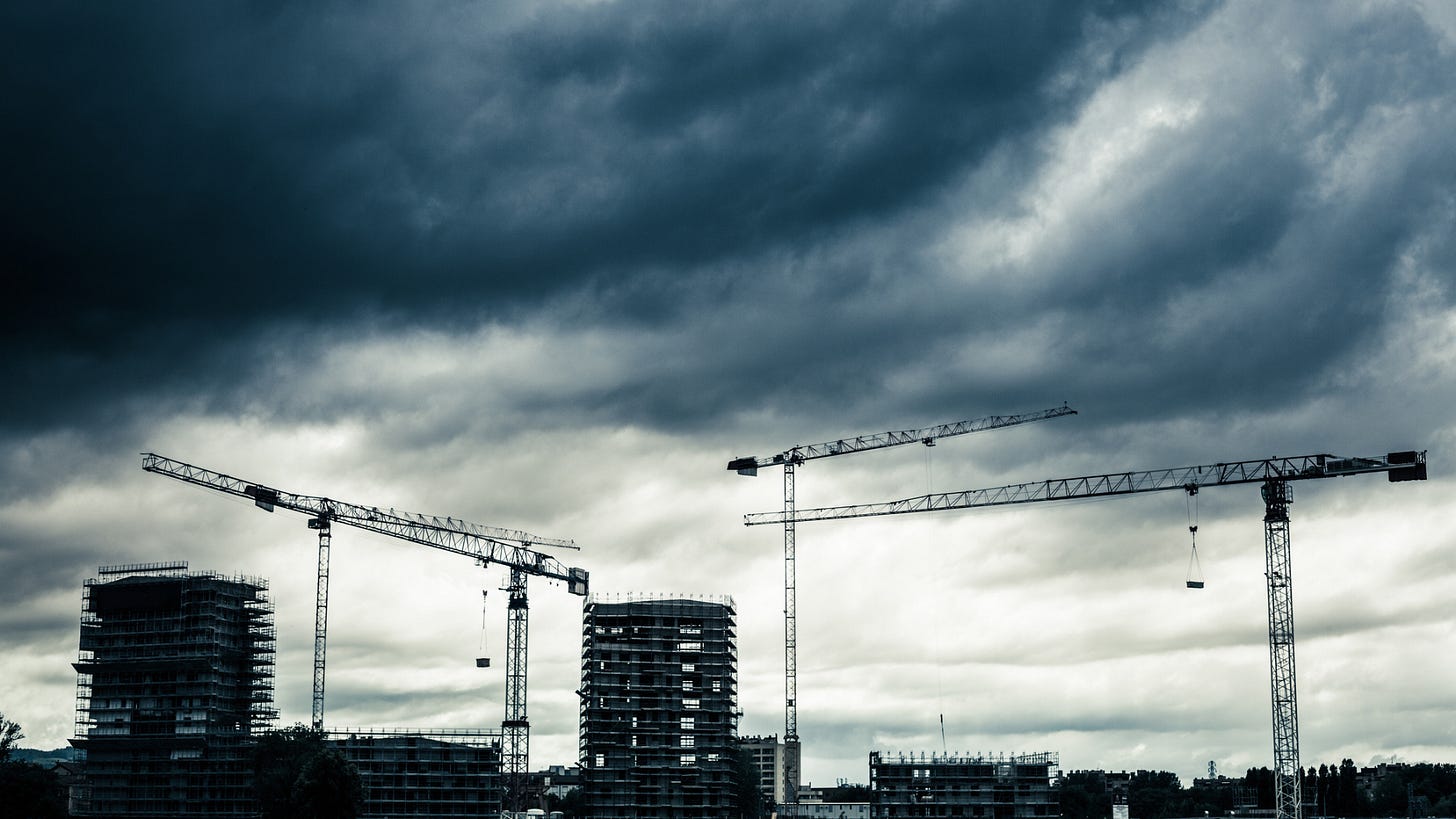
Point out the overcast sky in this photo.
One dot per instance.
(549, 266)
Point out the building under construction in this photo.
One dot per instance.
(413, 773)
(957, 785)
(175, 678)
(659, 707)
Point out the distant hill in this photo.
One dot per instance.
(45, 758)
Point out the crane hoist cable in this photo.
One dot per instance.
(1195, 569)
(483, 661)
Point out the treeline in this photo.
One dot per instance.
(1417, 790)
(27, 790)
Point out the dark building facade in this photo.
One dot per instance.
(955, 785)
(175, 676)
(659, 707)
(408, 773)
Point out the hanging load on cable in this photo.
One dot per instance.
(1195, 571)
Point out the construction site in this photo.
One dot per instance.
(176, 667)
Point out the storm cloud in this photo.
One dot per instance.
(549, 266)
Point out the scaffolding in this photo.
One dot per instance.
(990, 786)
(659, 705)
(174, 679)
(418, 772)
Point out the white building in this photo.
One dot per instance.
(768, 756)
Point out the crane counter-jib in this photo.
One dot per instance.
(1407, 465)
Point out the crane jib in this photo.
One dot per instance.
(1407, 465)
(861, 443)
(486, 544)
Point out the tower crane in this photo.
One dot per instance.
(790, 460)
(1275, 475)
(485, 545)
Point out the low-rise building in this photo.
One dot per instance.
(557, 780)
(826, 810)
(417, 773)
(768, 758)
(957, 785)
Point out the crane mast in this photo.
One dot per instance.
(1275, 475)
(790, 460)
(793, 756)
(1284, 706)
(320, 617)
(484, 544)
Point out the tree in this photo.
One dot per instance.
(297, 776)
(1083, 795)
(1348, 803)
(1213, 799)
(748, 798)
(26, 789)
(572, 805)
(1324, 796)
(1156, 794)
(10, 737)
(328, 787)
(1261, 780)
(1389, 797)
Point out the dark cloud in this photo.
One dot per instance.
(197, 181)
